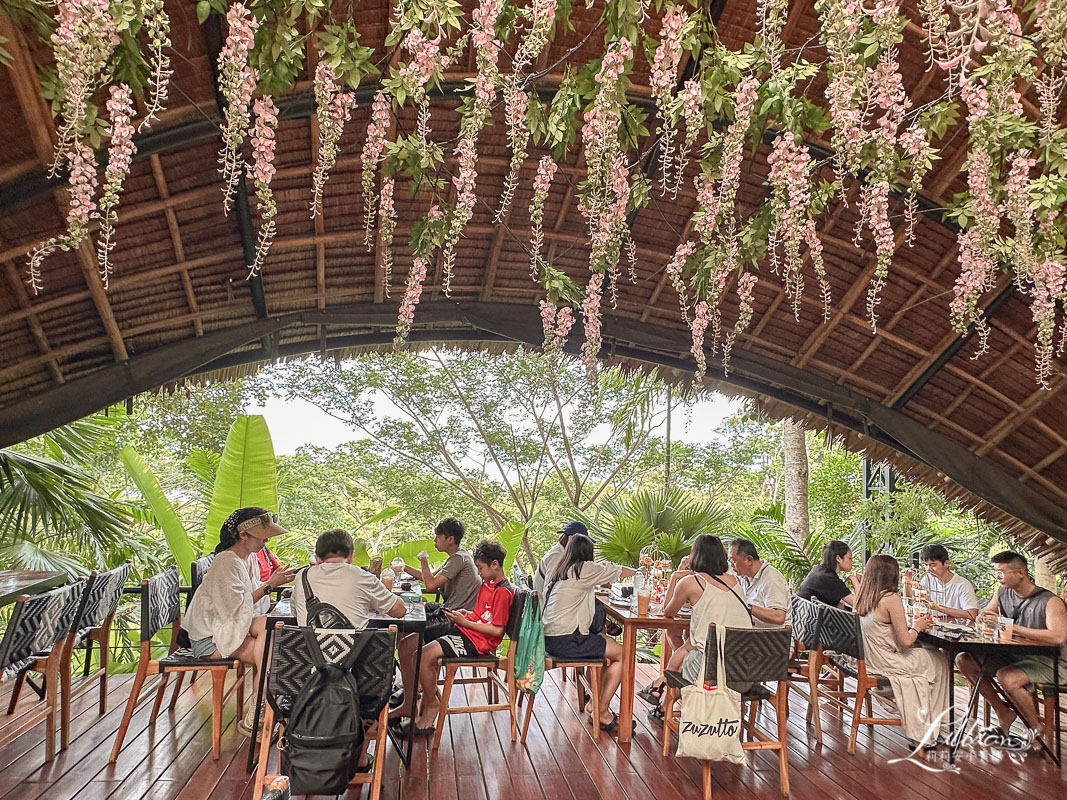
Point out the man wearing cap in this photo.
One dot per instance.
(552, 557)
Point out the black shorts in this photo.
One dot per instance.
(455, 645)
(578, 646)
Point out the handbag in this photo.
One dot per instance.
(530, 649)
(710, 726)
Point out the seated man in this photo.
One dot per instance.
(335, 580)
(473, 632)
(949, 592)
(550, 559)
(456, 579)
(1040, 617)
(765, 587)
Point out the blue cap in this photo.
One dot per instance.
(573, 527)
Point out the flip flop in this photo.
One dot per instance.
(612, 726)
(652, 694)
(403, 729)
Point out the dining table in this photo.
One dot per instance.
(953, 641)
(631, 622)
(17, 582)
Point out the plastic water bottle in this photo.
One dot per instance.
(639, 582)
(516, 576)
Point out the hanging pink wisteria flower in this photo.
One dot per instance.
(591, 322)
(237, 82)
(1048, 291)
(119, 157)
(1021, 214)
(542, 15)
(746, 285)
(516, 103)
(412, 293)
(916, 147)
(373, 147)
(701, 318)
(157, 26)
(557, 323)
(693, 117)
(386, 227)
(790, 166)
(662, 78)
(546, 171)
(674, 274)
(263, 147)
(977, 273)
(333, 109)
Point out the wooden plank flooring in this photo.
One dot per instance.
(478, 761)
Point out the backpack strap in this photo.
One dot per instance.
(730, 589)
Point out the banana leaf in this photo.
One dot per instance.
(166, 516)
(246, 475)
(409, 551)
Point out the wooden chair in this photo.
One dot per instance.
(840, 644)
(291, 664)
(39, 637)
(586, 682)
(1046, 701)
(160, 607)
(752, 656)
(493, 663)
(197, 570)
(803, 672)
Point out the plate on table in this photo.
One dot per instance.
(955, 627)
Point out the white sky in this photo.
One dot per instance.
(294, 423)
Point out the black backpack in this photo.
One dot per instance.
(320, 614)
(324, 735)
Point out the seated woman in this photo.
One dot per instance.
(226, 616)
(823, 583)
(920, 677)
(569, 607)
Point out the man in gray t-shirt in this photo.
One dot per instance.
(458, 582)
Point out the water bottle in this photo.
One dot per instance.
(516, 576)
(639, 582)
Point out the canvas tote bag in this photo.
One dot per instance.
(710, 727)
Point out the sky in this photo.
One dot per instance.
(294, 423)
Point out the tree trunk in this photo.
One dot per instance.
(797, 523)
(1043, 575)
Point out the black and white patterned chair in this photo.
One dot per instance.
(39, 637)
(840, 647)
(805, 616)
(161, 607)
(752, 657)
(295, 652)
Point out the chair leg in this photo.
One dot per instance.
(127, 715)
(450, 678)
(105, 659)
(594, 674)
(1050, 701)
(781, 705)
(65, 667)
(264, 751)
(240, 691)
(218, 687)
(668, 712)
(178, 679)
(511, 702)
(870, 713)
(379, 755)
(705, 779)
(160, 692)
(580, 688)
(87, 666)
(52, 702)
(814, 669)
(529, 716)
(15, 691)
(861, 695)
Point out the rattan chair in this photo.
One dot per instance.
(751, 657)
(840, 645)
(160, 607)
(291, 663)
(492, 663)
(39, 637)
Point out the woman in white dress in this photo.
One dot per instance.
(226, 616)
(920, 677)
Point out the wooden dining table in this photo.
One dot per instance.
(16, 582)
(631, 622)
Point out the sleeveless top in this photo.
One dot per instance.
(719, 605)
(1027, 611)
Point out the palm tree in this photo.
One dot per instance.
(670, 519)
(52, 515)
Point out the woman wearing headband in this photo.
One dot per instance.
(226, 616)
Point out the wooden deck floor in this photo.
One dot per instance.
(477, 761)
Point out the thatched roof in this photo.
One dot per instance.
(179, 303)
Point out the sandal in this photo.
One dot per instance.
(612, 726)
(655, 716)
(653, 693)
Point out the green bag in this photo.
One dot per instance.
(530, 649)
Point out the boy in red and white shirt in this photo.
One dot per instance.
(474, 632)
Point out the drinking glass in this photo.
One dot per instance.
(387, 578)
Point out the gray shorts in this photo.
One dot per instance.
(202, 648)
(1037, 668)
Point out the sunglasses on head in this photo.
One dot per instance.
(259, 519)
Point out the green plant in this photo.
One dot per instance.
(794, 559)
(670, 519)
(245, 477)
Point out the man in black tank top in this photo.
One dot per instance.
(1039, 617)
